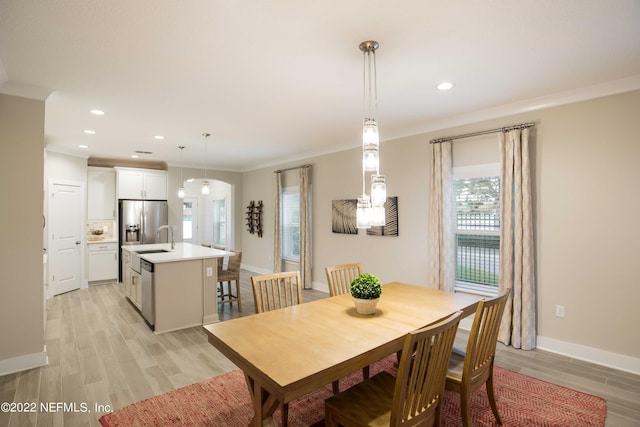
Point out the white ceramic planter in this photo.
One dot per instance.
(365, 306)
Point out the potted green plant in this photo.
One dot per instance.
(365, 291)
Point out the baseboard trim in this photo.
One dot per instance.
(609, 359)
(254, 269)
(319, 286)
(24, 362)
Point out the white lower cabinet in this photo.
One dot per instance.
(131, 280)
(136, 288)
(103, 261)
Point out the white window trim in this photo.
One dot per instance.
(476, 171)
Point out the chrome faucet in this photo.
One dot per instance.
(173, 244)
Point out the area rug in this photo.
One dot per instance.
(224, 401)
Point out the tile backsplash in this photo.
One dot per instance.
(107, 228)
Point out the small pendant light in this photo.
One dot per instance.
(370, 210)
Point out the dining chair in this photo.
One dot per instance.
(277, 290)
(228, 274)
(339, 278)
(469, 370)
(413, 397)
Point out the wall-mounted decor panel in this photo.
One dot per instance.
(391, 220)
(343, 216)
(253, 216)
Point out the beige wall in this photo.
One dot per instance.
(588, 237)
(21, 186)
(586, 209)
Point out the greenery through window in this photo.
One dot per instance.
(477, 239)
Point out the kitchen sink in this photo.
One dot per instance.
(135, 257)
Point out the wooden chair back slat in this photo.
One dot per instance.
(414, 397)
(339, 277)
(483, 337)
(422, 370)
(277, 290)
(472, 369)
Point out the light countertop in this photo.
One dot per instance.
(182, 252)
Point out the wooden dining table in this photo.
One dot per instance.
(290, 352)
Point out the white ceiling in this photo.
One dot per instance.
(274, 81)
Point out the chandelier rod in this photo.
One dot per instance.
(483, 132)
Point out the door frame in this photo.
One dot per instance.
(81, 229)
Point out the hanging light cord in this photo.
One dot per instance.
(364, 107)
(181, 162)
(206, 136)
(374, 77)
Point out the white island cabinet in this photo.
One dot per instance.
(184, 284)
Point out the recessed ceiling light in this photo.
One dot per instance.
(445, 86)
(134, 156)
(97, 112)
(83, 146)
(159, 137)
(90, 132)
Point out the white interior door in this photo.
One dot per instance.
(65, 242)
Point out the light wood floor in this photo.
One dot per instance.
(102, 353)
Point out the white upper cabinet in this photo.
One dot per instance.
(155, 185)
(148, 184)
(101, 194)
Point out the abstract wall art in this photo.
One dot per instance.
(391, 223)
(343, 216)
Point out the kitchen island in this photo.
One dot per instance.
(181, 291)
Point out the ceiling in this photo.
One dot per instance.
(277, 81)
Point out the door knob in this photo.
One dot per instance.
(78, 242)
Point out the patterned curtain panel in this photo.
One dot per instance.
(277, 252)
(441, 258)
(516, 242)
(305, 227)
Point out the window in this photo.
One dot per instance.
(290, 228)
(477, 238)
(189, 218)
(219, 222)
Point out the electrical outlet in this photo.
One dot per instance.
(559, 310)
(209, 271)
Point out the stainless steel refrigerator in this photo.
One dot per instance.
(139, 221)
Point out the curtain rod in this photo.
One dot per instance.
(484, 132)
(290, 169)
